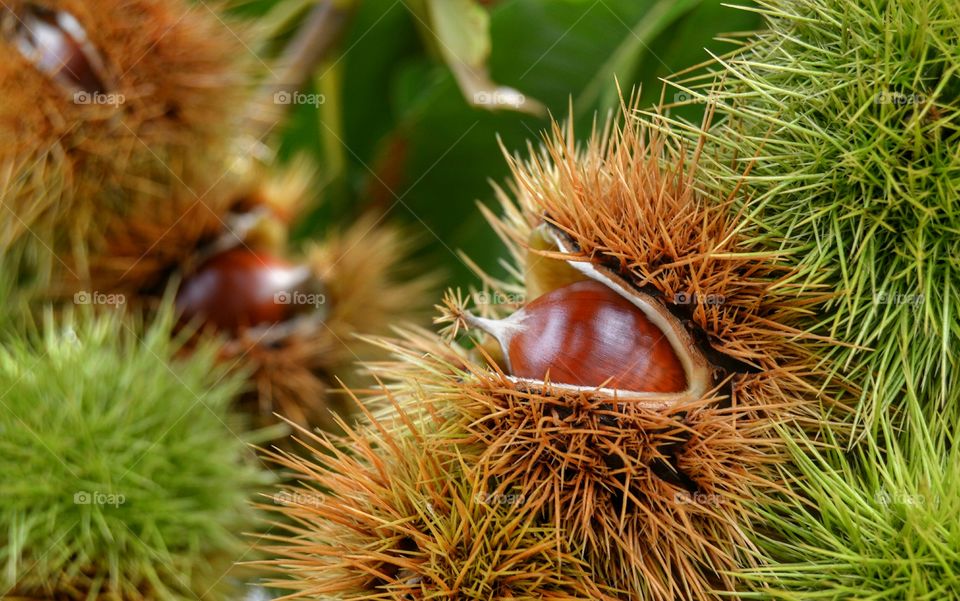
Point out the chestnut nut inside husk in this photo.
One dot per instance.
(239, 288)
(589, 329)
(56, 43)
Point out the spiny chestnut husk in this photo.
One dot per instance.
(110, 107)
(398, 521)
(117, 483)
(855, 178)
(644, 475)
(288, 320)
(652, 474)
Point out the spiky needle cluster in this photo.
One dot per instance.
(653, 497)
(172, 76)
(849, 114)
(385, 515)
(879, 522)
(122, 475)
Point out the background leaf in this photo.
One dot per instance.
(397, 136)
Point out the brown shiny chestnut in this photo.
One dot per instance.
(239, 288)
(585, 334)
(589, 329)
(57, 45)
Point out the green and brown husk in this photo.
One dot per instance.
(655, 501)
(822, 205)
(849, 115)
(125, 472)
(126, 200)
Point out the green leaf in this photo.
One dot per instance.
(407, 132)
(462, 29)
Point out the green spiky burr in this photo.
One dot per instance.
(123, 477)
(848, 116)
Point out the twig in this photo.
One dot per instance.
(318, 34)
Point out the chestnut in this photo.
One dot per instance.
(239, 288)
(585, 334)
(57, 45)
(589, 328)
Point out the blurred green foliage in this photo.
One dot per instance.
(396, 135)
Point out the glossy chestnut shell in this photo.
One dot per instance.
(57, 45)
(240, 288)
(590, 329)
(585, 334)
